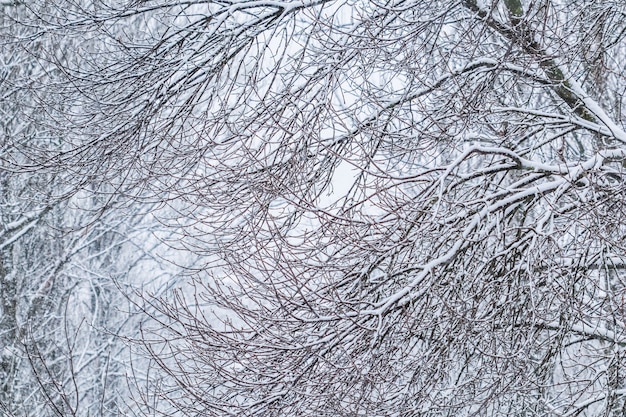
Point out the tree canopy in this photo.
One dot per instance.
(372, 208)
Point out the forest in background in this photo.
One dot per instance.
(313, 208)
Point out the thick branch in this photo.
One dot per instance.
(524, 37)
